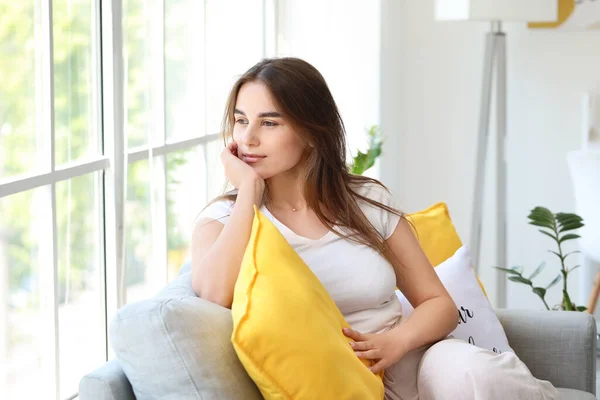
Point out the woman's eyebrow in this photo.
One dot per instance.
(269, 114)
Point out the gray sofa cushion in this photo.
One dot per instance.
(557, 346)
(572, 394)
(106, 383)
(178, 346)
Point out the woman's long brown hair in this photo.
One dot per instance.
(331, 191)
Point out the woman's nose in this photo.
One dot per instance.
(250, 136)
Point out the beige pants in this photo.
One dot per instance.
(455, 370)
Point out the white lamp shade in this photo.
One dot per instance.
(497, 10)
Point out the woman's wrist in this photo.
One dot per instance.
(430, 322)
(252, 189)
(402, 339)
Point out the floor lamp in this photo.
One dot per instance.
(494, 66)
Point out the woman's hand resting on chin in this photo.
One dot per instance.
(237, 171)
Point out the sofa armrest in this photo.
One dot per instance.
(106, 383)
(557, 346)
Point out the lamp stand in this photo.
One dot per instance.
(495, 59)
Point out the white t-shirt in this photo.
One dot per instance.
(361, 282)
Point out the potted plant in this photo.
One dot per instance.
(364, 161)
(559, 228)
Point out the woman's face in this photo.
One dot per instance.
(266, 139)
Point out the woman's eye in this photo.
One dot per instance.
(270, 123)
(240, 121)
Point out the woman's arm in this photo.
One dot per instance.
(217, 249)
(435, 314)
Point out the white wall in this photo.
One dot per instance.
(341, 39)
(430, 80)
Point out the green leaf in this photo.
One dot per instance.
(549, 234)
(363, 161)
(542, 214)
(572, 252)
(558, 255)
(568, 221)
(360, 162)
(564, 215)
(574, 268)
(543, 211)
(568, 236)
(554, 282)
(581, 308)
(540, 291)
(509, 271)
(570, 226)
(564, 218)
(542, 224)
(518, 268)
(537, 270)
(520, 279)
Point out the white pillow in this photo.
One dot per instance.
(477, 321)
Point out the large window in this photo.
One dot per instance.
(104, 163)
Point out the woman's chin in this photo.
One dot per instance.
(260, 171)
(264, 174)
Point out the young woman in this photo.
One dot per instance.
(286, 154)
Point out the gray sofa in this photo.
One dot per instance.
(556, 346)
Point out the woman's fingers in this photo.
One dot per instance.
(358, 346)
(226, 152)
(368, 354)
(352, 334)
(233, 147)
(379, 366)
(230, 150)
(365, 349)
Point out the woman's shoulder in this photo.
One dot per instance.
(374, 190)
(382, 219)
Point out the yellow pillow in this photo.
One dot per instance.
(436, 234)
(287, 330)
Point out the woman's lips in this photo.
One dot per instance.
(252, 158)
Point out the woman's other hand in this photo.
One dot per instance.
(384, 349)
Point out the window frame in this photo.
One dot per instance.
(111, 161)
